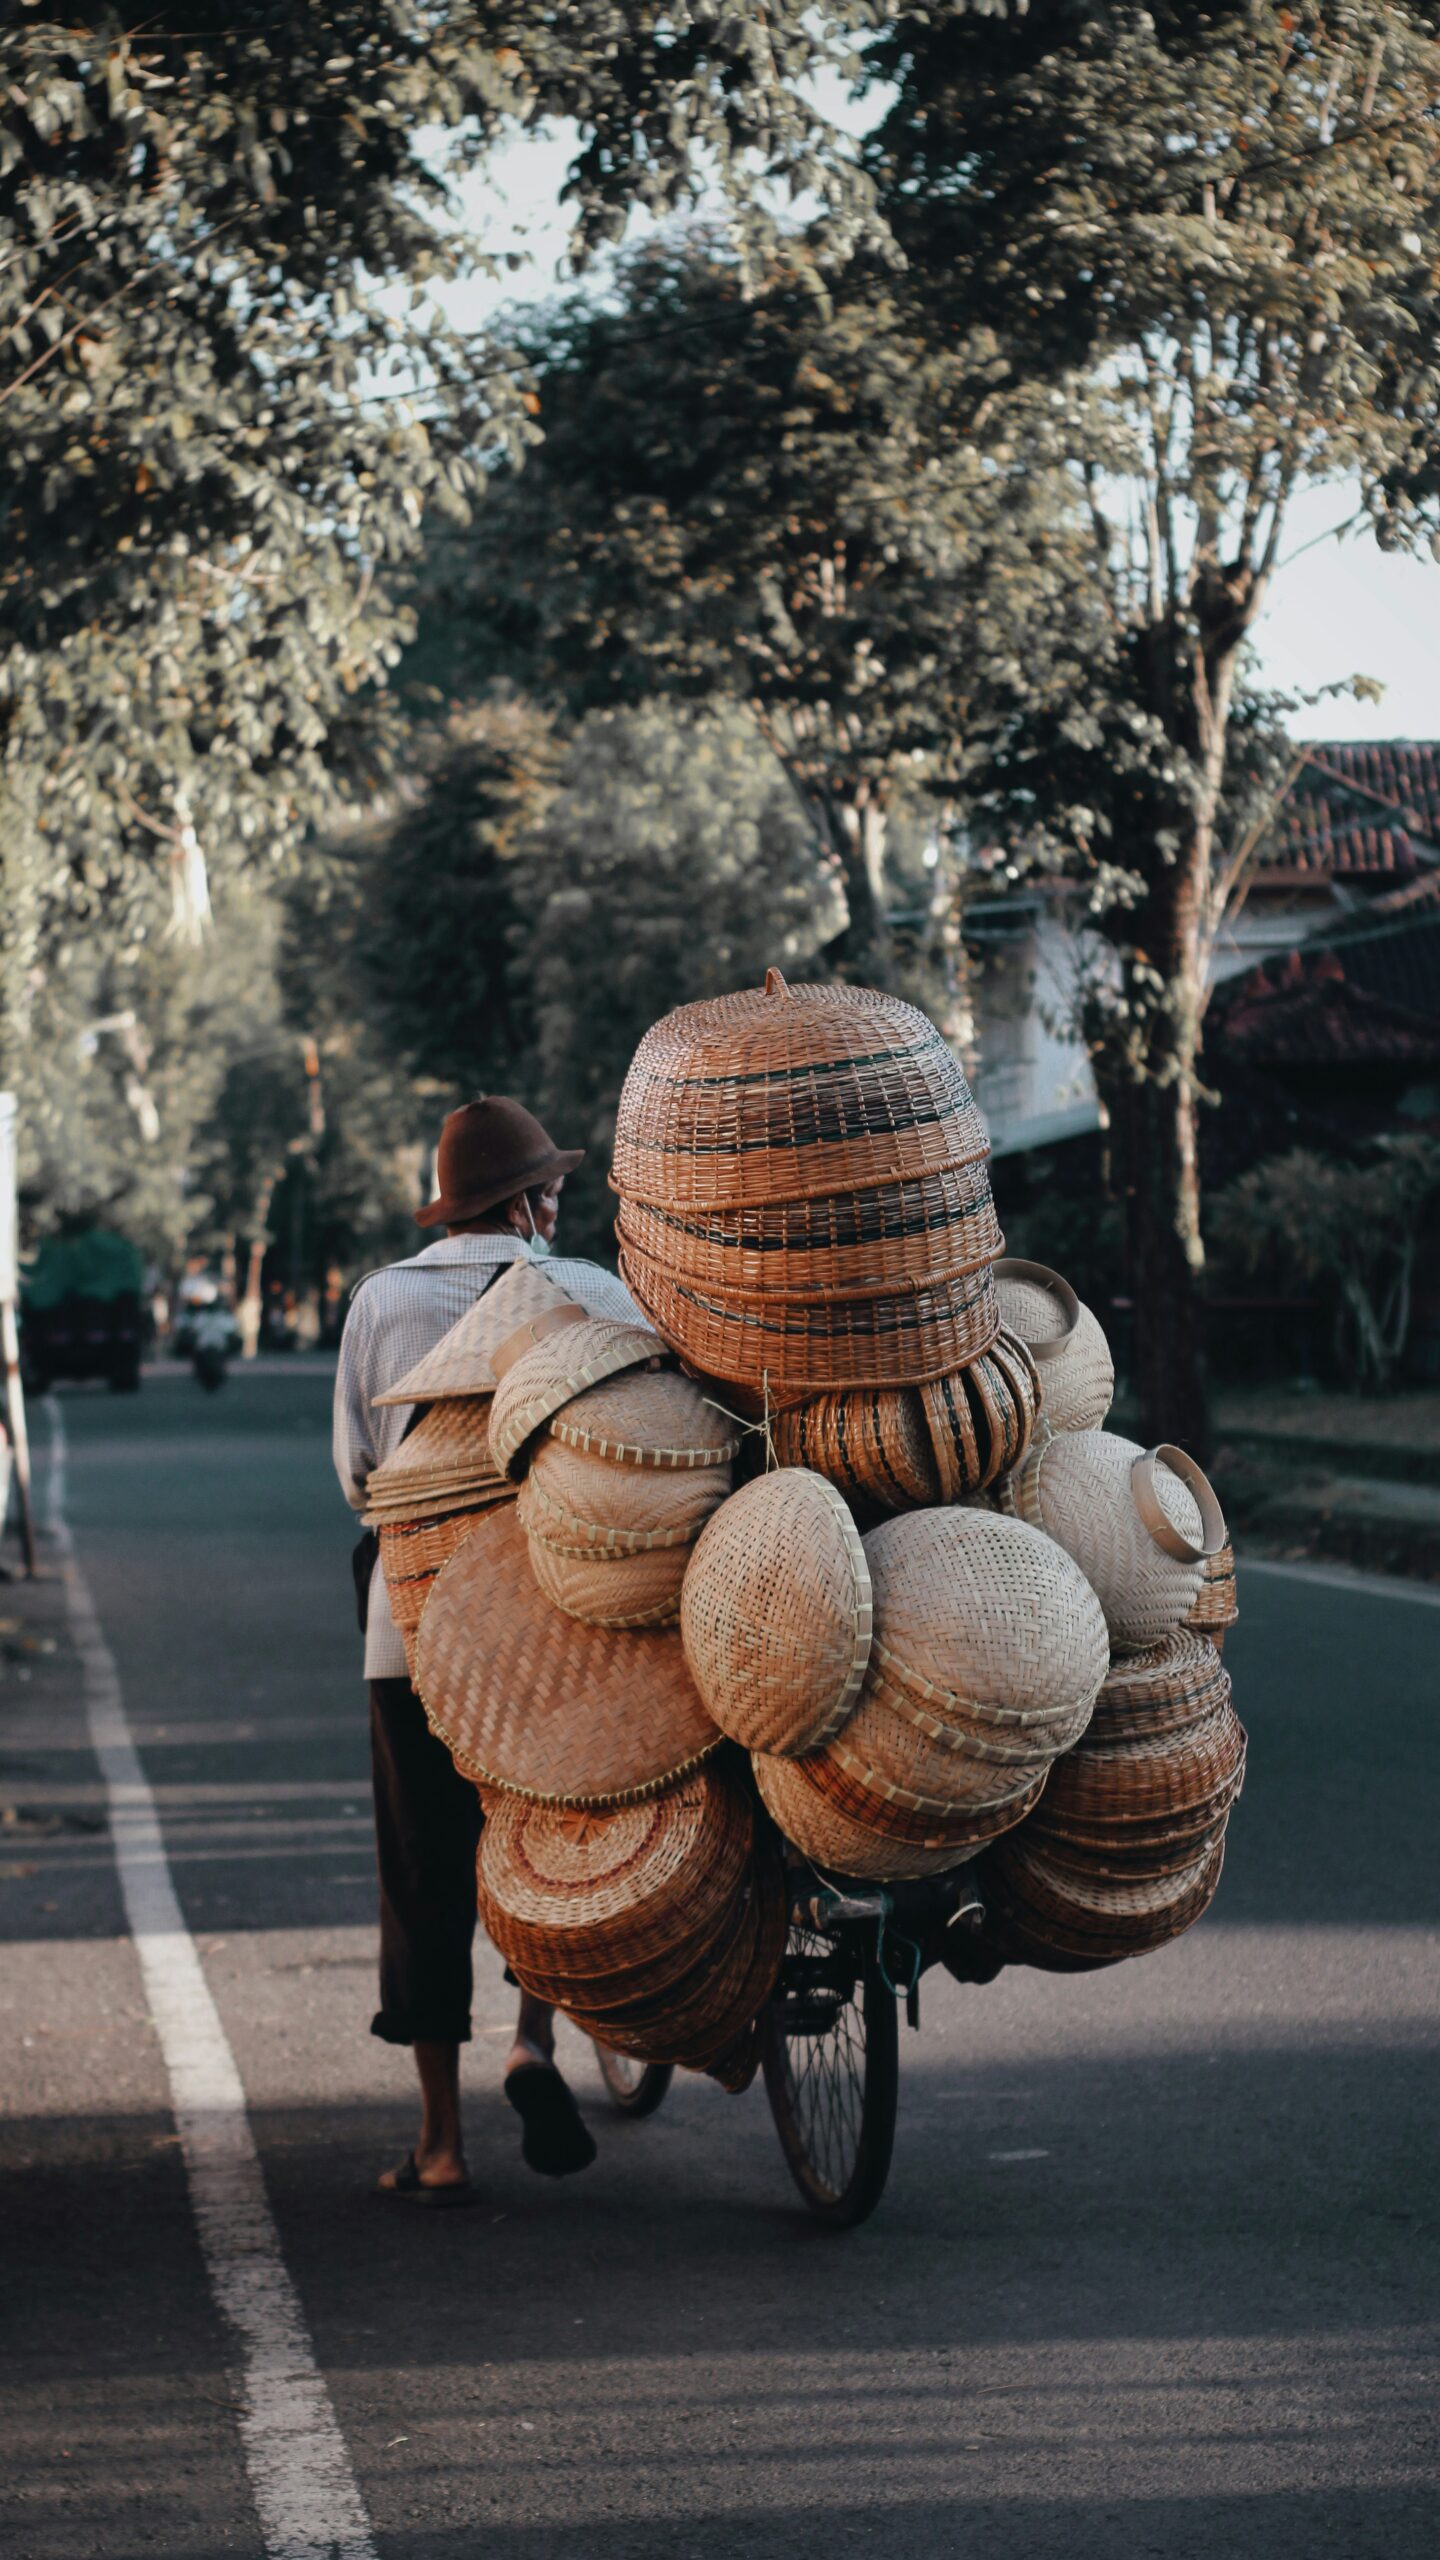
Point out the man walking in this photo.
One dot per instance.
(499, 1182)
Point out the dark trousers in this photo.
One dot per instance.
(427, 1829)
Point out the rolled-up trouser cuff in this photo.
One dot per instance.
(398, 2030)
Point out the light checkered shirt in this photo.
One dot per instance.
(396, 1316)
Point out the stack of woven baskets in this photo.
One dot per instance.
(929, 1609)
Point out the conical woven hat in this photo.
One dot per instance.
(967, 1608)
(460, 1364)
(649, 1418)
(612, 1591)
(587, 1894)
(526, 1698)
(554, 1373)
(1077, 1374)
(583, 1501)
(775, 1612)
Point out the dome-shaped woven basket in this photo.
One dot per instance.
(649, 1418)
(947, 1751)
(980, 1418)
(593, 1504)
(612, 1591)
(804, 1346)
(872, 1442)
(525, 1697)
(1139, 1523)
(848, 1240)
(591, 1900)
(552, 1374)
(462, 1364)
(1077, 1374)
(1216, 1607)
(984, 1625)
(833, 1774)
(836, 1842)
(1048, 1916)
(775, 1613)
(788, 1093)
(1163, 1760)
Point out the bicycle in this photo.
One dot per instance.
(829, 2034)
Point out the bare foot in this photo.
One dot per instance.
(426, 2169)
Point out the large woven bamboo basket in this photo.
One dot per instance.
(611, 1590)
(462, 1362)
(649, 1418)
(984, 1627)
(1216, 1607)
(788, 1094)
(1139, 1523)
(597, 1901)
(1162, 1763)
(709, 2031)
(775, 1613)
(873, 1443)
(808, 1345)
(552, 1373)
(1065, 1340)
(980, 1418)
(866, 1240)
(931, 1769)
(832, 1773)
(1048, 1917)
(619, 1507)
(837, 1843)
(527, 1698)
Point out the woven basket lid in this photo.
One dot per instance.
(787, 1093)
(1161, 1688)
(611, 1591)
(602, 1504)
(972, 1606)
(580, 1883)
(650, 1418)
(775, 1612)
(526, 1698)
(556, 1371)
(1077, 1373)
(892, 1756)
(461, 1364)
(834, 1840)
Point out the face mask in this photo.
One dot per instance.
(536, 1246)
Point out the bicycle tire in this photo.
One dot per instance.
(636, 2088)
(835, 2114)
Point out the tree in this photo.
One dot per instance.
(227, 395)
(1353, 1227)
(1212, 234)
(752, 488)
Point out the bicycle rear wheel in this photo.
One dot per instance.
(636, 2088)
(830, 2052)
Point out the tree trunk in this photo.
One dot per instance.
(1154, 1156)
(855, 827)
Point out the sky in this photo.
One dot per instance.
(1338, 608)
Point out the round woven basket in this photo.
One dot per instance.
(618, 1508)
(1049, 1914)
(872, 1442)
(611, 1591)
(981, 1622)
(552, 1374)
(788, 1093)
(837, 1841)
(592, 1900)
(807, 1345)
(649, 1418)
(848, 1240)
(707, 2039)
(446, 1455)
(775, 1613)
(416, 1550)
(832, 1774)
(937, 1764)
(1139, 1523)
(1163, 1760)
(1215, 1607)
(687, 2003)
(527, 1698)
(1077, 1374)
(980, 1418)
(462, 1364)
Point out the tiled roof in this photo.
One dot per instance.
(1304, 1010)
(1365, 811)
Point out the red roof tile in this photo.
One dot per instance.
(1302, 1010)
(1355, 812)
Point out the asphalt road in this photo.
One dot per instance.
(1154, 2273)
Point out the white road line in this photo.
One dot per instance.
(306, 2494)
(1344, 1577)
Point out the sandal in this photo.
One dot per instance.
(408, 2184)
(557, 2141)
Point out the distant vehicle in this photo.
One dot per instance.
(213, 1337)
(80, 1311)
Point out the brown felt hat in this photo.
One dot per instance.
(488, 1151)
